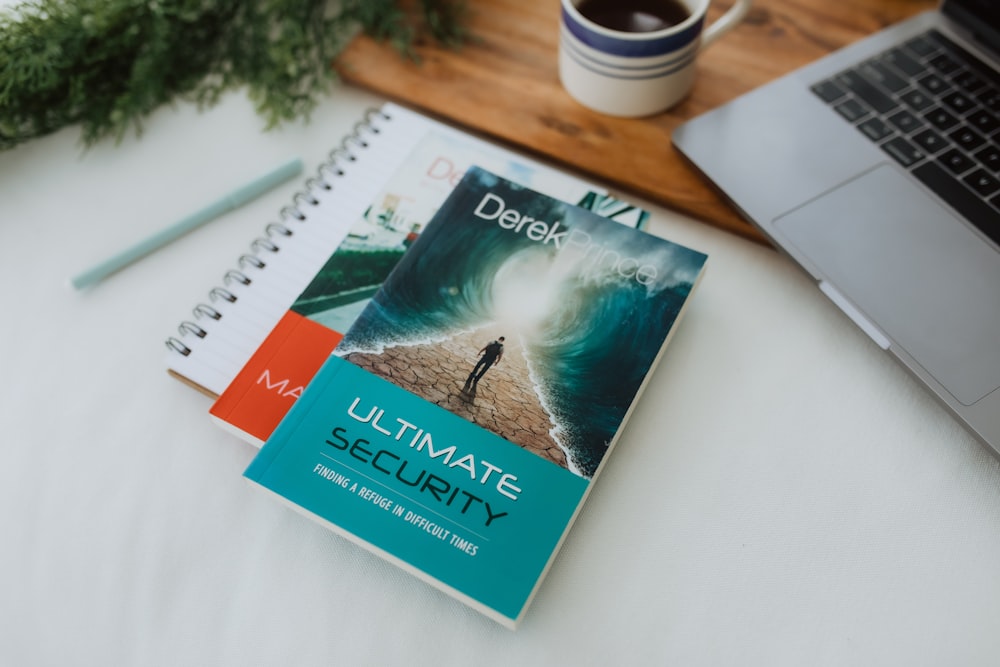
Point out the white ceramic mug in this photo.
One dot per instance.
(635, 73)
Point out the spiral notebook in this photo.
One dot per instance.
(227, 327)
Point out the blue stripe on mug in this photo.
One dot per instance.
(629, 73)
(595, 63)
(632, 48)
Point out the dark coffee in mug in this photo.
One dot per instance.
(634, 15)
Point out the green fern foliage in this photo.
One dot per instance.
(107, 64)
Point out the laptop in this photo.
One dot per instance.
(877, 170)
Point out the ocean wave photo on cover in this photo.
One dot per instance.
(588, 332)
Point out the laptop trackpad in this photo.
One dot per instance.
(925, 279)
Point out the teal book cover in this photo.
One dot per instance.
(458, 426)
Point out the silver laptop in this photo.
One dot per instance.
(877, 169)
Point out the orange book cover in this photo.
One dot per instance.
(264, 390)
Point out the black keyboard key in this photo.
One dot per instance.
(982, 182)
(958, 102)
(958, 53)
(875, 128)
(828, 91)
(984, 121)
(876, 71)
(904, 63)
(903, 151)
(956, 161)
(990, 98)
(933, 84)
(959, 197)
(851, 110)
(945, 63)
(966, 138)
(866, 91)
(905, 121)
(922, 45)
(916, 99)
(989, 157)
(941, 118)
(930, 141)
(968, 81)
(937, 38)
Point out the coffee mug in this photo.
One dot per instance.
(644, 63)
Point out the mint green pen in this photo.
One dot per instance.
(231, 201)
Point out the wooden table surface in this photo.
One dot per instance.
(504, 84)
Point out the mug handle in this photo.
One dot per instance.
(725, 23)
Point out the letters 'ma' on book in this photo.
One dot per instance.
(470, 478)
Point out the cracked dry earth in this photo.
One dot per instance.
(505, 401)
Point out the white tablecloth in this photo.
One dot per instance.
(784, 495)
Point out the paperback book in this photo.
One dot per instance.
(459, 425)
(276, 374)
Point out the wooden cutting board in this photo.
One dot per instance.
(504, 84)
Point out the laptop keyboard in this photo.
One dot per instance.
(935, 109)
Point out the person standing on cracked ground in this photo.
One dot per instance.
(490, 354)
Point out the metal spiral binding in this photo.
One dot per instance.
(175, 345)
(221, 293)
(192, 328)
(264, 244)
(202, 310)
(251, 260)
(288, 218)
(275, 229)
(234, 276)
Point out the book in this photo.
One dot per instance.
(226, 328)
(471, 478)
(273, 378)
